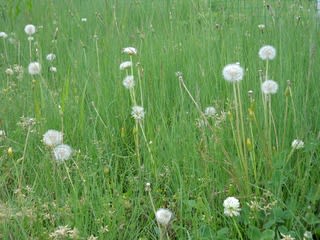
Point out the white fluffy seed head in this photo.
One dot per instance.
(137, 113)
(210, 111)
(128, 82)
(267, 52)
(130, 50)
(231, 207)
(34, 68)
(233, 72)
(297, 144)
(164, 216)
(62, 152)
(50, 57)
(3, 35)
(53, 69)
(125, 65)
(52, 138)
(269, 87)
(29, 29)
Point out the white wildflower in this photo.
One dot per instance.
(50, 57)
(128, 82)
(125, 65)
(210, 111)
(130, 50)
(231, 207)
(34, 68)
(297, 144)
(233, 72)
(30, 29)
(62, 152)
(52, 138)
(267, 52)
(83, 19)
(137, 113)
(164, 216)
(269, 87)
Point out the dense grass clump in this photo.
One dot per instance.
(159, 119)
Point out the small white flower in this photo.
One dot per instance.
(30, 29)
(233, 72)
(297, 144)
(52, 138)
(9, 71)
(62, 152)
(164, 216)
(53, 69)
(210, 111)
(231, 207)
(34, 68)
(261, 27)
(128, 82)
(269, 87)
(83, 19)
(130, 50)
(137, 113)
(3, 35)
(267, 52)
(50, 57)
(125, 65)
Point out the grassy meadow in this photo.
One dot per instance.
(126, 162)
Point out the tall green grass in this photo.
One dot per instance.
(100, 191)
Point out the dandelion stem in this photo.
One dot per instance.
(146, 141)
(97, 52)
(23, 156)
(154, 211)
(30, 50)
(237, 228)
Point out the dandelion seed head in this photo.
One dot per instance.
(130, 50)
(2, 135)
(9, 71)
(125, 65)
(164, 216)
(52, 138)
(297, 144)
(267, 52)
(128, 82)
(50, 57)
(53, 69)
(307, 235)
(233, 72)
(269, 87)
(3, 35)
(286, 237)
(29, 29)
(62, 152)
(210, 111)
(34, 68)
(231, 207)
(137, 113)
